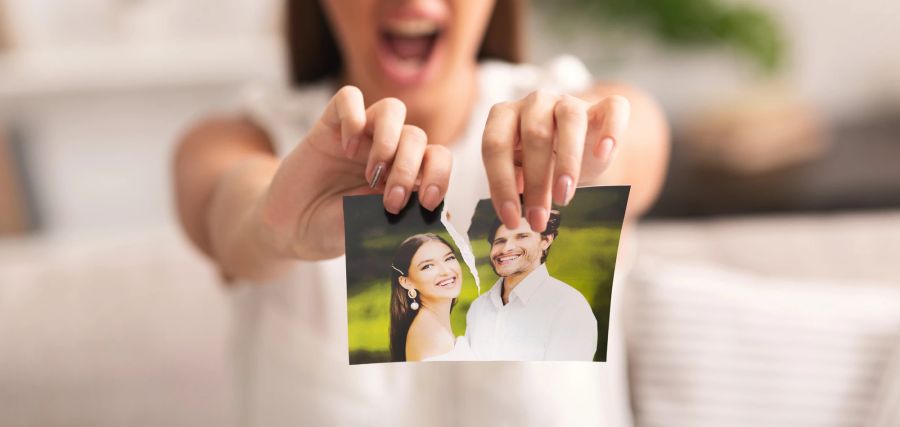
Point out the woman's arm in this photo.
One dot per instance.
(253, 213)
(222, 169)
(640, 156)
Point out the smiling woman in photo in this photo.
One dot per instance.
(426, 279)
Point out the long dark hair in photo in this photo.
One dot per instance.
(402, 314)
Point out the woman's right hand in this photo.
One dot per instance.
(351, 150)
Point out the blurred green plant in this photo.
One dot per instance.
(749, 30)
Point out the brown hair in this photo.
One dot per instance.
(313, 52)
(402, 315)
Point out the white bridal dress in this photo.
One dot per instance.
(461, 352)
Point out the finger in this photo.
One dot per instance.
(346, 115)
(405, 168)
(384, 121)
(571, 128)
(537, 130)
(500, 134)
(435, 172)
(607, 121)
(520, 181)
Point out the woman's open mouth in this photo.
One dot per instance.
(446, 283)
(408, 49)
(506, 259)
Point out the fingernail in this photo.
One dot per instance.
(395, 199)
(537, 217)
(432, 197)
(377, 175)
(509, 214)
(563, 190)
(604, 148)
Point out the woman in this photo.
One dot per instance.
(261, 196)
(425, 281)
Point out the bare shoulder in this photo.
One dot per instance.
(426, 338)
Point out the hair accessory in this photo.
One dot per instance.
(411, 293)
(398, 270)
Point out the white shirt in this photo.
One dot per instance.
(290, 337)
(545, 319)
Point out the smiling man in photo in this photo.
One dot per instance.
(527, 314)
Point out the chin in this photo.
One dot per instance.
(445, 297)
(416, 97)
(453, 293)
(504, 272)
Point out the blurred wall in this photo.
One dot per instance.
(842, 57)
(100, 90)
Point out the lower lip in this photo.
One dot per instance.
(404, 76)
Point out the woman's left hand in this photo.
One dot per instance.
(544, 145)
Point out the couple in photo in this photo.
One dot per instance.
(526, 315)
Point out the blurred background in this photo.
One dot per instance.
(782, 203)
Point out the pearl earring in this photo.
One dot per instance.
(412, 296)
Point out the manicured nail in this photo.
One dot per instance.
(562, 192)
(604, 148)
(432, 197)
(377, 175)
(537, 217)
(395, 199)
(509, 214)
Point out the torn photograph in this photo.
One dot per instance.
(420, 290)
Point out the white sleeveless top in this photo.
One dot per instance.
(291, 336)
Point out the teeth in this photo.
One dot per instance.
(508, 258)
(413, 27)
(446, 282)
